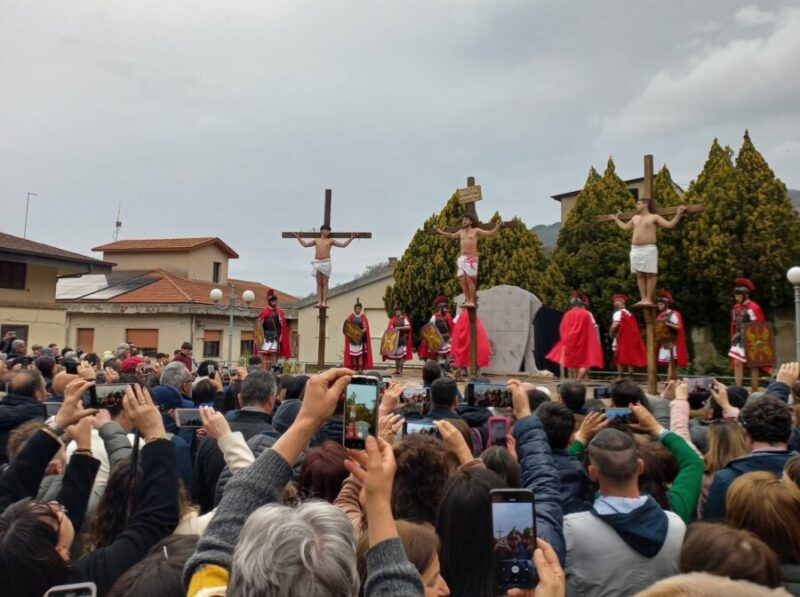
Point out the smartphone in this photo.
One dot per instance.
(51, 408)
(211, 370)
(108, 395)
(700, 384)
(385, 381)
(81, 589)
(625, 415)
(414, 395)
(360, 411)
(488, 394)
(498, 429)
(600, 393)
(413, 427)
(188, 418)
(514, 536)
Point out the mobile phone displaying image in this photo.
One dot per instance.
(700, 384)
(385, 381)
(188, 417)
(81, 589)
(412, 427)
(108, 395)
(514, 534)
(600, 393)
(488, 394)
(498, 429)
(51, 408)
(211, 371)
(414, 395)
(360, 411)
(624, 415)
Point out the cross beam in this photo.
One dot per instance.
(467, 197)
(327, 222)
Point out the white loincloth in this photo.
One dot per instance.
(322, 266)
(467, 265)
(445, 348)
(737, 352)
(269, 347)
(356, 350)
(665, 355)
(644, 258)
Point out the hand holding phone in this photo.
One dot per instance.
(360, 411)
(188, 418)
(498, 429)
(514, 533)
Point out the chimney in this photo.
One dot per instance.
(392, 261)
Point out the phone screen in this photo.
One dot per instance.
(106, 395)
(700, 384)
(602, 393)
(625, 415)
(360, 410)
(211, 371)
(84, 589)
(188, 417)
(490, 394)
(498, 428)
(52, 408)
(514, 533)
(412, 427)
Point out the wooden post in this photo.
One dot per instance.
(473, 341)
(323, 316)
(650, 311)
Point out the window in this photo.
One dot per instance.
(246, 343)
(215, 274)
(12, 275)
(85, 339)
(21, 331)
(146, 341)
(211, 343)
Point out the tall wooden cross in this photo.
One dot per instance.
(650, 310)
(323, 311)
(468, 197)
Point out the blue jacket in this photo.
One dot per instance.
(577, 493)
(767, 460)
(539, 474)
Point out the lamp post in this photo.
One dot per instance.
(27, 205)
(793, 275)
(231, 307)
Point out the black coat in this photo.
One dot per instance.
(14, 411)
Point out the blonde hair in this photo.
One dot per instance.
(759, 502)
(726, 441)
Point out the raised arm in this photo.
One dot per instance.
(302, 242)
(437, 230)
(336, 243)
(492, 232)
(664, 223)
(622, 225)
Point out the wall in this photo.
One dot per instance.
(201, 264)
(45, 325)
(40, 289)
(339, 307)
(177, 263)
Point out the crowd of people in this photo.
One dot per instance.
(634, 494)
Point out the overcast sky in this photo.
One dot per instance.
(231, 118)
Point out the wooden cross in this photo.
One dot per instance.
(468, 197)
(323, 311)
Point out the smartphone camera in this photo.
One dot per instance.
(514, 534)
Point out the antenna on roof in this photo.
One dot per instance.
(118, 225)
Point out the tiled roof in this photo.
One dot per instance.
(159, 245)
(167, 288)
(15, 244)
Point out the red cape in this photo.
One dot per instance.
(680, 340)
(284, 348)
(348, 360)
(630, 346)
(409, 349)
(578, 338)
(757, 311)
(423, 351)
(460, 341)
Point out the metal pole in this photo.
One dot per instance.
(27, 205)
(797, 322)
(231, 307)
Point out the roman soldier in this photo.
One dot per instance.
(403, 352)
(578, 347)
(358, 355)
(276, 332)
(627, 343)
(444, 324)
(460, 342)
(744, 311)
(670, 336)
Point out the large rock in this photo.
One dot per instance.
(507, 313)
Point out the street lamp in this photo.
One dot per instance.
(231, 306)
(793, 275)
(27, 205)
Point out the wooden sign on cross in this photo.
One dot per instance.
(467, 197)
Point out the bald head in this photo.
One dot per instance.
(612, 455)
(30, 383)
(60, 382)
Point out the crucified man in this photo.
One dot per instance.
(644, 251)
(467, 264)
(321, 266)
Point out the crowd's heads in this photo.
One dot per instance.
(723, 550)
(423, 467)
(18, 346)
(726, 441)
(160, 572)
(613, 460)
(659, 471)
(500, 460)
(46, 366)
(308, 550)
(323, 472)
(791, 472)
(626, 392)
(61, 381)
(536, 396)
(573, 395)
(296, 386)
(254, 361)
(767, 420)
(558, 422)
(186, 347)
(431, 371)
(258, 389)
(30, 383)
(204, 392)
(286, 414)
(444, 393)
(176, 375)
(761, 503)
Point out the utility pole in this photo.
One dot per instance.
(27, 205)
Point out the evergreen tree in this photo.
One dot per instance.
(671, 249)
(428, 266)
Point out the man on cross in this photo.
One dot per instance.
(644, 251)
(321, 266)
(467, 264)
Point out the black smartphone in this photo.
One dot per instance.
(81, 589)
(514, 535)
(360, 410)
(700, 384)
(498, 429)
(188, 417)
(211, 370)
(600, 393)
(108, 395)
(489, 394)
(51, 408)
(414, 427)
(623, 415)
(385, 381)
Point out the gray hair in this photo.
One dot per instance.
(175, 375)
(123, 346)
(18, 343)
(308, 551)
(258, 387)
